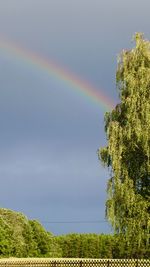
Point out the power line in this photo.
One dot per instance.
(71, 222)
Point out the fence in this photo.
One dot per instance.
(49, 262)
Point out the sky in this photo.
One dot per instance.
(49, 130)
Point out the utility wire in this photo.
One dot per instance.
(71, 222)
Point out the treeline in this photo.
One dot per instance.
(20, 237)
(99, 246)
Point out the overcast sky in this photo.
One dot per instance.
(50, 134)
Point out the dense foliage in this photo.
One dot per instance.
(86, 245)
(20, 237)
(127, 153)
(98, 246)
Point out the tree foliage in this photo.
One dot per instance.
(20, 237)
(127, 153)
(86, 245)
(102, 246)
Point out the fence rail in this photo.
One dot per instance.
(49, 262)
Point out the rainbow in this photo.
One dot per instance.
(60, 73)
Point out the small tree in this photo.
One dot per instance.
(128, 151)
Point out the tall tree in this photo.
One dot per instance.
(127, 153)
